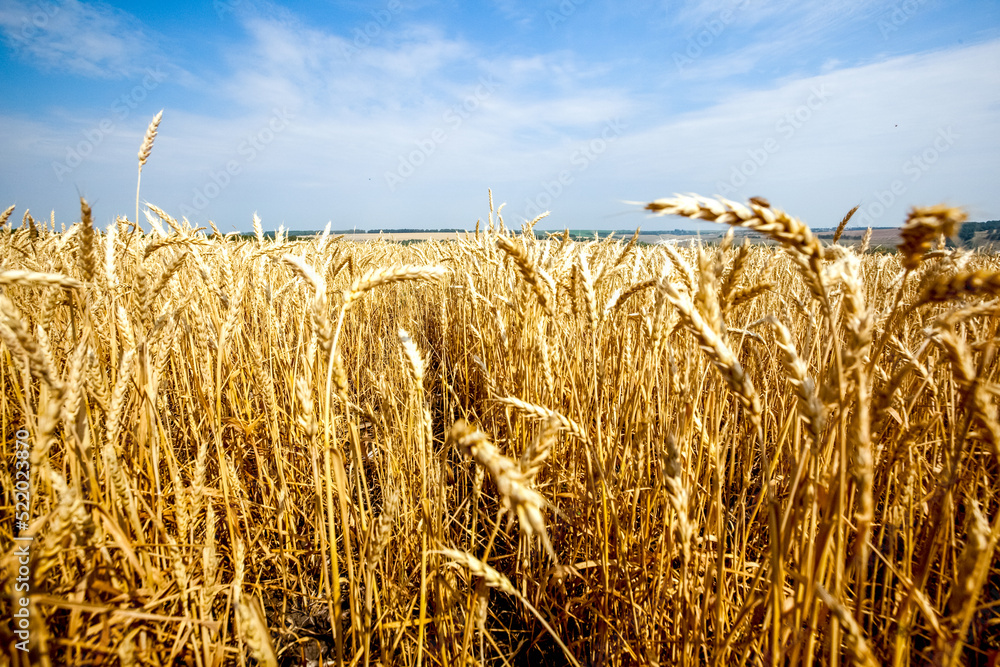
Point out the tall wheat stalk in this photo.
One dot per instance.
(144, 151)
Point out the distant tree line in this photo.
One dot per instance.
(991, 227)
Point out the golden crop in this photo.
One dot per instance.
(502, 449)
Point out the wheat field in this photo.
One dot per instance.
(500, 449)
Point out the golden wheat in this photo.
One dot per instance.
(262, 449)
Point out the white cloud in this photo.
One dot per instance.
(877, 118)
(94, 40)
(771, 15)
(307, 67)
(721, 39)
(513, 11)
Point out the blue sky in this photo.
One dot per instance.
(400, 113)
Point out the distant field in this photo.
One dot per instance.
(411, 236)
(879, 236)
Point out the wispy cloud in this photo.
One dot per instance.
(92, 40)
(304, 66)
(876, 118)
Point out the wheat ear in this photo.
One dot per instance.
(88, 254)
(922, 226)
(810, 406)
(253, 625)
(759, 217)
(32, 278)
(509, 479)
(854, 637)
(5, 216)
(843, 223)
(494, 579)
(963, 283)
(527, 270)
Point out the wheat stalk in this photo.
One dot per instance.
(144, 151)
